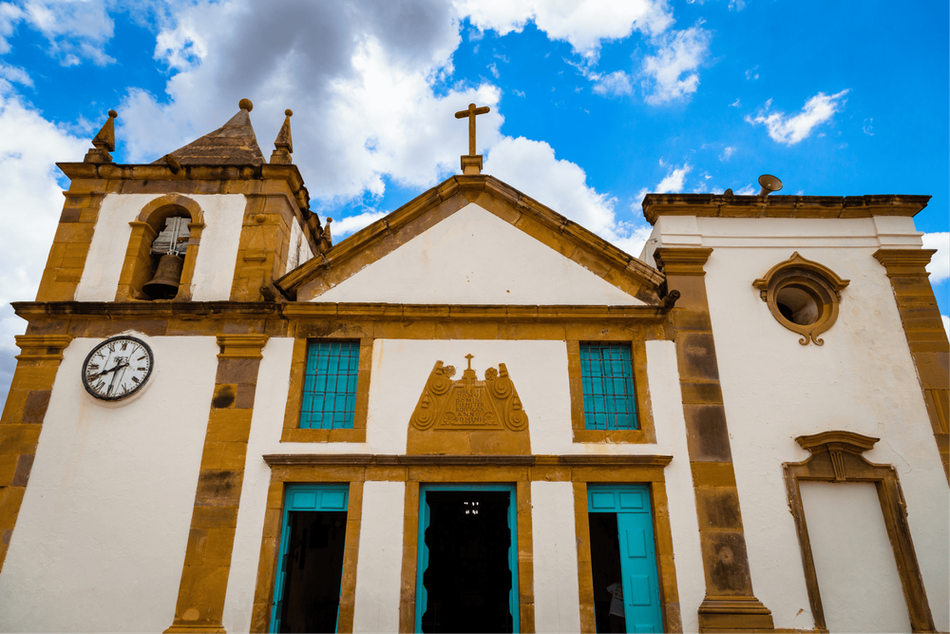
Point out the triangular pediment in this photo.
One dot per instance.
(475, 240)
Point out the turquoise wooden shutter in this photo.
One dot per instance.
(641, 588)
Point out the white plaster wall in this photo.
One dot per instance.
(555, 557)
(474, 257)
(100, 539)
(217, 253)
(860, 586)
(267, 421)
(862, 379)
(379, 564)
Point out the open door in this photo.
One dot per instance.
(310, 570)
(623, 558)
(467, 574)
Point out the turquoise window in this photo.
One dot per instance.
(329, 389)
(607, 377)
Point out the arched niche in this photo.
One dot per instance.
(139, 265)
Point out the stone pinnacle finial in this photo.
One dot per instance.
(245, 104)
(284, 142)
(103, 142)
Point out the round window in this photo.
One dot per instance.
(803, 296)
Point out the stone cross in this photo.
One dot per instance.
(470, 356)
(471, 112)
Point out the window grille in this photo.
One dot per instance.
(329, 392)
(607, 378)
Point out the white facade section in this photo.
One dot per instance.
(100, 538)
(862, 379)
(270, 399)
(379, 564)
(217, 253)
(860, 587)
(555, 557)
(474, 257)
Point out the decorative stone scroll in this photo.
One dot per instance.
(490, 411)
(469, 403)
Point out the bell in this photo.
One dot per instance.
(164, 285)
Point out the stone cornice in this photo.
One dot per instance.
(682, 260)
(241, 346)
(32, 311)
(900, 262)
(467, 461)
(114, 171)
(719, 206)
(41, 346)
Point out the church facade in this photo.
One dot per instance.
(472, 415)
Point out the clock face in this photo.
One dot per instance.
(117, 368)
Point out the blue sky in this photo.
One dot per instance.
(594, 102)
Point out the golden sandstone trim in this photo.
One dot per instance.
(416, 470)
(542, 223)
(926, 338)
(663, 535)
(22, 421)
(836, 457)
(207, 566)
(292, 431)
(730, 603)
(822, 284)
(646, 433)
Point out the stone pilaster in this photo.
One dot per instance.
(204, 577)
(729, 604)
(926, 337)
(22, 421)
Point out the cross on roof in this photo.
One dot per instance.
(471, 112)
(470, 356)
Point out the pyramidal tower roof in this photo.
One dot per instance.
(234, 143)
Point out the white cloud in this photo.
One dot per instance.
(735, 104)
(727, 153)
(946, 324)
(32, 201)
(371, 68)
(868, 127)
(748, 190)
(351, 224)
(670, 74)
(531, 166)
(584, 23)
(616, 83)
(674, 181)
(75, 30)
(939, 267)
(10, 15)
(752, 73)
(14, 74)
(793, 129)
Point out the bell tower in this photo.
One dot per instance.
(210, 221)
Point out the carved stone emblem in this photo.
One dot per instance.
(469, 404)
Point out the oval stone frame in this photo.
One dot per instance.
(821, 283)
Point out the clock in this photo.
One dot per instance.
(117, 368)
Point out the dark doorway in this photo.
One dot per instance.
(468, 578)
(605, 569)
(314, 569)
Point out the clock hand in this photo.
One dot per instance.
(118, 365)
